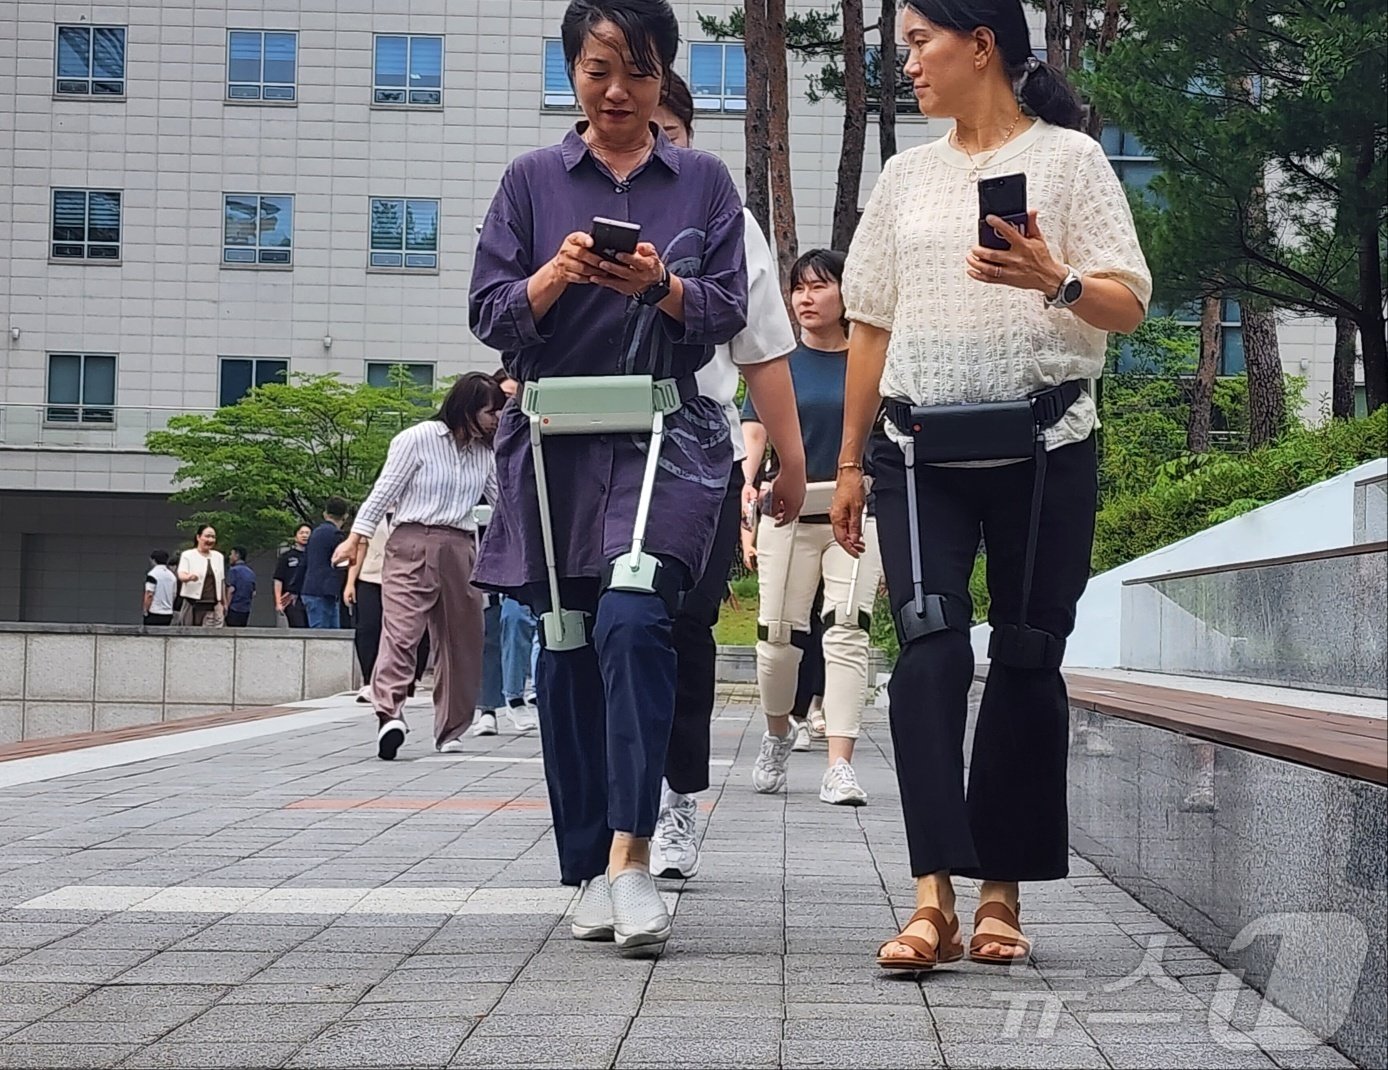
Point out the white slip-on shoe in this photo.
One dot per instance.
(389, 737)
(453, 746)
(524, 719)
(769, 772)
(592, 918)
(640, 922)
(674, 847)
(801, 731)
(840, 786)
(485, 725)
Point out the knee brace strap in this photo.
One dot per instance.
(843, 617)
(778, 632)
(941, 614)
(1021, 647)
(666, 584)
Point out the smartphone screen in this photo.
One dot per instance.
(613, 236)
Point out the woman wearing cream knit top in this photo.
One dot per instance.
(940, 320)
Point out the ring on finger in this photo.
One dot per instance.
(997, 271)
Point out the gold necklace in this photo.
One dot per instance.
(607, 162)
(975, 165)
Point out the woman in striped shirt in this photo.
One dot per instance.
(435, 474)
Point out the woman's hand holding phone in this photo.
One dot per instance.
(1026, 264)
(631, 273)
(575, 263)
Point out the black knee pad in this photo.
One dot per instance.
(941, 614)
(1020, 647)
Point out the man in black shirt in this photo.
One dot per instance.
(289, 580)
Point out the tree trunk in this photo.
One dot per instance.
(1202, 395)
(1108, 33)
(886, 82)
(854, 125)
(1056, 37)
(786, 242)
(1267, 395)
(757, 119)
(1079, 26)
(1372, 340)
(1342, 385)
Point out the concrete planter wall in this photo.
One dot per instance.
(60, 679)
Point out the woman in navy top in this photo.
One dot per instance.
(554, 308)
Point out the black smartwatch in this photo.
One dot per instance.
(1071, 290)
(658, 292)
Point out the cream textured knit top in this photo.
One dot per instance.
(955, 339)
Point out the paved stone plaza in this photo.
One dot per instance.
(286, 899)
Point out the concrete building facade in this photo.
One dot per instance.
(197, 195)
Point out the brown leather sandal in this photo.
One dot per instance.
(950, 949)
(999, 912)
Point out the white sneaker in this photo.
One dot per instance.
(769, 773)
(524, 719)
(592, 919)
(389, 737)
(802, 735)
(674, 847)
(485, 725)
(364, 695)
(840, 786)
(453, 746)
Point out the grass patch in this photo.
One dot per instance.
(737, 627)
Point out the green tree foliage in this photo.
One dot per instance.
(260, 467)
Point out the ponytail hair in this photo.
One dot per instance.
(1040, 87)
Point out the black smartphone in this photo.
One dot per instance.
(613, 236)
(1005, 197)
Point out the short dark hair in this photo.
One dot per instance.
(680, 101)
(159, 557)
(466, 400)
(239, 551)
(650, 28)
(825, 264)
(336, 507)
(502, 376)
(1042, 87)
(201, 529)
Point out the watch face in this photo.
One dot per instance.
(1072, 291)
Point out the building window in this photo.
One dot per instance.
(379, 373)
(404, 234)
(1132, 162)
(1231, 359)
(238, 375)
(86, 225)
(905, 94)
(409, 70)
(718, 76)
(81, 388)
(262, 65)
(258, 229)
(559, 91)
(90, 61)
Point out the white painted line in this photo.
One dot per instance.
(91, 897)
(108, 755)
(412, 901)
(183, 900)
(303, 901)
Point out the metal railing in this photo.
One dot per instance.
(82, 427)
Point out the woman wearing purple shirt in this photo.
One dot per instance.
(555, 308)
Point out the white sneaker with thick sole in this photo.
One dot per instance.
(769, 773)
(674, 847)
(485, 725)
(524, 719)
(389, 738)
(592, 918)
(801, 731)
(453, 746)
(640, 921)
(840, 786)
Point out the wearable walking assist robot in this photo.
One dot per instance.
(601, 405)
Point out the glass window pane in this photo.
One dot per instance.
(69, 215)
(103, 219)
(1111, 138)
(426, 62)
(390, 61)
(244, 52)
(108, 53)
(735, 72)
(378, 375)
(99, 381)
(1233, 358)
(241, 214)
(74, 52)
(422, 226)
(64, 380)
(276, 222)
(236, 381)
(422, 374)
(1230, 311)
(387, 224)
(271, 371)
(280, 52)
(706, 70)
(556, 74)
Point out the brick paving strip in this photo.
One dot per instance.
(261, 903)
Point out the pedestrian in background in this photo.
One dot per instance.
(362, 595)
(161, 587)
(202, 572)
(289, 580)
(322, 586)
(240, 589)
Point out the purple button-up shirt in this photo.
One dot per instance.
(689, 210)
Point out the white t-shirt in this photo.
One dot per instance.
(954, 339)
(163, 584)
(768, 333)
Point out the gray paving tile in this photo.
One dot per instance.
(379, 1044)
(223, 1056)
(1204, 1056)
(198, 967)
(874, 1054)
(1030, 1055)
(583, 1051)
(259, 1023)
(146, 1029)
(676, 1030)
(63, 1056)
